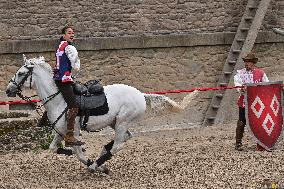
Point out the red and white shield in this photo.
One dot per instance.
(264, 113)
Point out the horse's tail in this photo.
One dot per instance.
(278, 31)
(161, 102)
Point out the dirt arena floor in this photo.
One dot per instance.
(183, 158)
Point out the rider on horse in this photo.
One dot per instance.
(67, 60)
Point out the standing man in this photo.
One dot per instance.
(67, 60)
(249, 74)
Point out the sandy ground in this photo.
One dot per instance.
(183, 158)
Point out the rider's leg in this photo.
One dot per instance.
(240, 129)
(66, 90)
(69, 138)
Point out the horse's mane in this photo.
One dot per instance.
(41, 62)
(44, 68)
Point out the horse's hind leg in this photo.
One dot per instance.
(121, 136)
(126, 137)
(120, 125)
(121, 129)
(114, 146)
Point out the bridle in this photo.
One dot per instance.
(20, 84)
(28, 98)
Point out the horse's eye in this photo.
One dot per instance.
(21, 73)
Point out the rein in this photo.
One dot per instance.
(47, 99)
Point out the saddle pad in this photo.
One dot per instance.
(101, 110)
(90, 102)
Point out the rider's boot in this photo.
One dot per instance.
(69, 138)
(239, 135)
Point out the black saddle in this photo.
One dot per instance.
(91, 100)
(89, 95)
(92, 87)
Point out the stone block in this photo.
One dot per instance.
(22, 107)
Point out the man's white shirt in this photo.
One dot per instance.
(244, 76)
(72, 54)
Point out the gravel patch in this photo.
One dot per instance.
(185, 158)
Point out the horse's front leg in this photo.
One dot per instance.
(78, 150)
(81, 157)
(55, 144)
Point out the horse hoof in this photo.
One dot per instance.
(92, 167)
(67, 152)
(103, 169)
(91, 170)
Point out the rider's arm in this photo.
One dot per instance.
(72, 54)
(238, 81)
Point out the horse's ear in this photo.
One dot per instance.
(25, 58)
(42, 58)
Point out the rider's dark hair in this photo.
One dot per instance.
(63, 31)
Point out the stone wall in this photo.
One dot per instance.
(153, 45)
(149, 70)
(104, 18)
(162, 69)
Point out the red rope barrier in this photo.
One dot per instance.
(18, 102)
(198, 89)
(163, 92)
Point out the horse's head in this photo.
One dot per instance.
(23, 76)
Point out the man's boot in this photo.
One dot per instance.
(259, 148)
(69, 138)
(239, 135)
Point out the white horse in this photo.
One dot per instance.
(126, 104)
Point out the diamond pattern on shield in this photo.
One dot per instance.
(265, 122)
(261, 108)
(275, 102)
